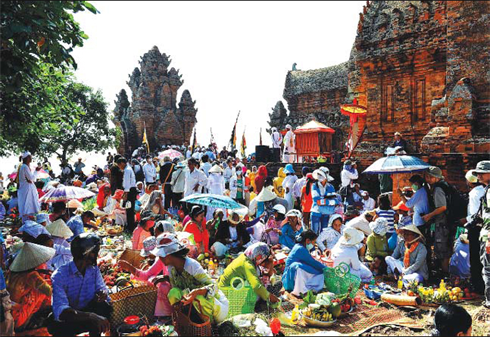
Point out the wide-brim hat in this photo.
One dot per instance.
(266, 194)
(167, 244)
(412, 228)
(60, 229)
(216, 169)
(279, 209)
(435, 172)
(482, 167)
(31, 256)
(294, 212)
(289, 169)
(235, 222)
(97, 212)
(327, 173)
(351, 237)
(319, 173)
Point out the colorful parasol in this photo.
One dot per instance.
(212, 200)
(170, 153)
(397, 164)
(41, 174)
(357, 119)
(66, 193)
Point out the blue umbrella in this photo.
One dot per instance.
(212, 200)
(397, 164)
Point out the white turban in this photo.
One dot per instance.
(289, 127)
(26, 154)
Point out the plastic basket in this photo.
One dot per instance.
(372, 294)
(339, 279)
(241, 301)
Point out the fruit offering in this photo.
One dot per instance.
(318, 312)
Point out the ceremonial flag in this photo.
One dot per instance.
(244, 145)
(233, 134)
(194, 142)
(145, 140)
(212, 136)
(260, 139)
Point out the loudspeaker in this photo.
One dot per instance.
(275, 155)
(262, 154)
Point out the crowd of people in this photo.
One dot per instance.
(54, 272)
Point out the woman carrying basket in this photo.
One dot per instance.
(186, 274)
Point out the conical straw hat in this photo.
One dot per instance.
(60, 229)
(31, 256)
(266, 194)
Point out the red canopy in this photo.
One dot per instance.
(313, 126)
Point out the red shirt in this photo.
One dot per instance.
(200, 236)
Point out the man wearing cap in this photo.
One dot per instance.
(80, 297)
(400, 142)
(442, 236)
(482, 172)
(289, 145)
(27, 192)
(349, 174)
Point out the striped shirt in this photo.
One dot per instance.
(389, 215)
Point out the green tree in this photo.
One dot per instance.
(61, 117)
(84, 126)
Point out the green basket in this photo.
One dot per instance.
(241, 301)
(339, 279)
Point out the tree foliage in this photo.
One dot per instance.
(84, 126)
(34, 31)
(64, 117)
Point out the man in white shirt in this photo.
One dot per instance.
(368, 202)
(276, 138)
(289, 145)
(195, 179)
(188, 153)
(150, 171)
(349, 173)
(229, 170)
(206, 165)
(178, 184)
(130, 191)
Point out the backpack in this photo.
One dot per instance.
(456, 203)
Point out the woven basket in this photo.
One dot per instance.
(185, 326)
(130, 301)
(339, 279)
(241, 301)
(133, 257)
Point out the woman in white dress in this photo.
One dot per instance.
(216, 185)
(27, 192)
(345, 251)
